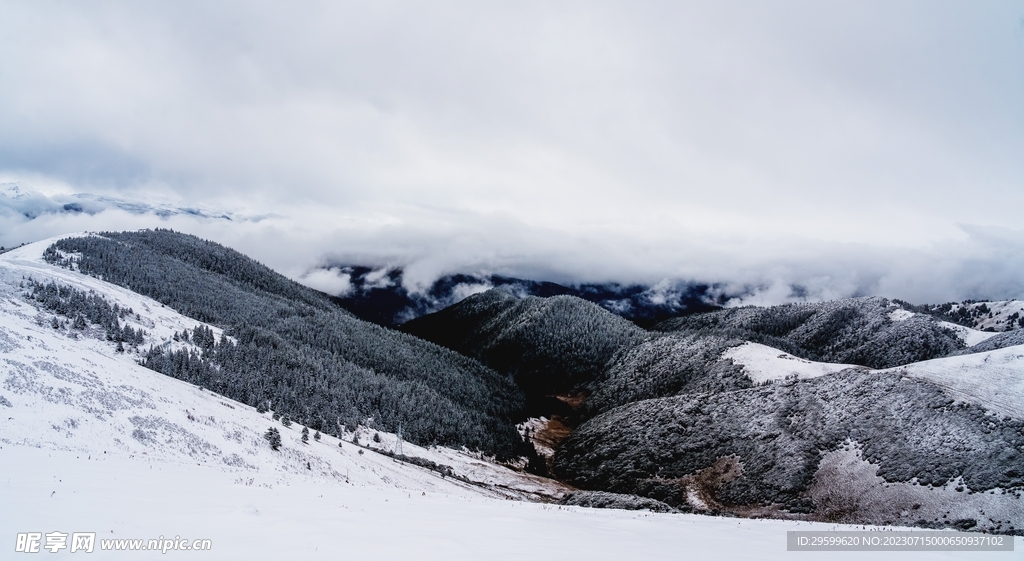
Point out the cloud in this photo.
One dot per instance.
(331, 281)
(983, 263)
(465, 290)
(798, 150)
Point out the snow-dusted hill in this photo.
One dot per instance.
(762, 364)
(68, 389)
(914, 444)
(993, 379)
(997, 315)
(92, 442)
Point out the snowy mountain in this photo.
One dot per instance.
(92, 441)
(551, 346)
(566, 346)
(872, 331)
(766, 411)
(930, 444)
(989, 316)
(293, 348)
(70, 389)
(17, 200)
(687, 420)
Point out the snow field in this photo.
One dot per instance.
(46, 490)
(763, 364)
(992, 379)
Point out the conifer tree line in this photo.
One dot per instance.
(293, 348)
(85, 308)
(967, 314)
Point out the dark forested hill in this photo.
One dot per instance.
(667, 415)
(554, 345)
(293, 347)
(874, 332)
(563, 344)
(769, 447)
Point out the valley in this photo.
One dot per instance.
(728, 413)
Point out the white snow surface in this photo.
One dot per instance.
(992, 379)
(45, 490)
(970, 337)
(763, 364)
(92, 442)
(998, 315)
(900, 315)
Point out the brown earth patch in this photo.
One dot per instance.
(554, 432)
(573, 401)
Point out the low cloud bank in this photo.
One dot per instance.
(308, 243)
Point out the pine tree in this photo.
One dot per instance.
(273, 436)
(120, 347)
(305, 435)
(286, 421)
(316, 436)
(261, 407)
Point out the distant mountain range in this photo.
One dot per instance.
(378, 295)
(18, 200)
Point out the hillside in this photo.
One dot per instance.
(72, 390)
(786, 411)
(873, 332)
(991, 316)
(557, 345)
(851, 446)
(562, 345)
(726, 412)
(291, 347)
(92, 441)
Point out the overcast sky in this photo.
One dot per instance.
(850, 148)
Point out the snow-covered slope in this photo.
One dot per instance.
(970, 337)
(122, 498)
(90, 441)
(999, 315)
(762, 363)
(66, 389)
(992, 379)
